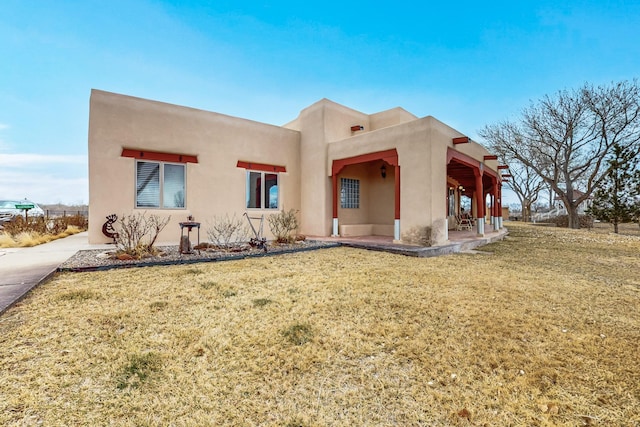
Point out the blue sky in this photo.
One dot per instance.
(466, 63)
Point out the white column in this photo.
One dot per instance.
(335, 227)
(480, 226)
(396, 230)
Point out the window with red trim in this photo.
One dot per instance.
(262, 190)
(160, 185)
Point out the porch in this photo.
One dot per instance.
(459, 241)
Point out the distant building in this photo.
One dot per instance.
(346, 172)
(582, 207)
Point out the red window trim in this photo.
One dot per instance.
(262, 167)
(159, 156)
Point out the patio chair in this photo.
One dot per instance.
(463, 223)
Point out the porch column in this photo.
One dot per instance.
(491, 209)
(396, 221)
(480, 202)
(494, 207)
(500, 226)
(334, 182)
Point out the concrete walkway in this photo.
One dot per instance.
(22, 269)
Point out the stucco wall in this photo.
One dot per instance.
(392, 117)
(214, 185)
(361, 214)
(422, 155)
(306, 146)
(381, 194)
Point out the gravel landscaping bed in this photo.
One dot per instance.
(95, 260)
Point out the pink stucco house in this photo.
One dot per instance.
(347, 173)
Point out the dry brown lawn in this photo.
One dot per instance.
(544, 331)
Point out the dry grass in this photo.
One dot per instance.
(6, 240)
(31, 238)
(627, 229)
(543, 332)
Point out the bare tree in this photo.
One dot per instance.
(566, 138)
(526, 183)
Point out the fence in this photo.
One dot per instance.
(49, 213)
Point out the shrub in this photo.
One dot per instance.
(137, 233)
(41, 227)
(227, 232)
(6, 241)
(27, 239)
(586, 221)
(283, 225)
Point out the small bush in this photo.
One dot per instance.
(283, 225)
(298, 334)
(586, 221)
(44, 226)
(6, 241)
(137, 233)
(27, 239)
(227, 232)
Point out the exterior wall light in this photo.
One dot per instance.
(383, 171)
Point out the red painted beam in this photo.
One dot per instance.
(159, 156)
(491, 157)
(461, 140)
(389, 156)
(503, 167)
(260, 167)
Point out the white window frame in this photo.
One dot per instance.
(161, 204)
(263, 196)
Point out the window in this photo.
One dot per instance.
(160, 185)
(262, 190)
(349, 193)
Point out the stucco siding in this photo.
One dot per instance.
(214, 185)
(306, 147)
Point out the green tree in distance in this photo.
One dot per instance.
(616, 199)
